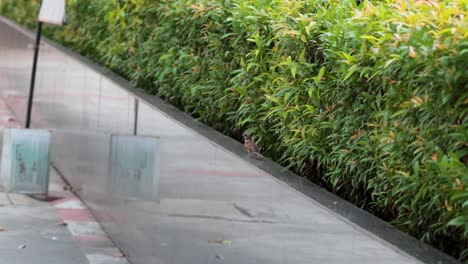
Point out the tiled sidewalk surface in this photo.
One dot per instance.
(58, 230)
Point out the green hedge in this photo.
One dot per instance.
(369, 101)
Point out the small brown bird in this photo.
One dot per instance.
(251, 147)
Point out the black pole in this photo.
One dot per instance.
(135, 123)
(33, 74)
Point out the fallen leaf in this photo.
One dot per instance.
(119, 255)
(225, 242)
(22, 246)
(219, 257)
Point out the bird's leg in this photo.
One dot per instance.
(249, 153)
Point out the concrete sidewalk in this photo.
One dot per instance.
(55, 230)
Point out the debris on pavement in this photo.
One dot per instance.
(119, 255)
(225, 242)
(62, 224)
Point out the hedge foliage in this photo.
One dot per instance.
(369, 101)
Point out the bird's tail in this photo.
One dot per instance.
(257, 155)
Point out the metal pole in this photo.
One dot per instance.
(33, 74)
(135, 124)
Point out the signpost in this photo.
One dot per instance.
(25, 157)
(51, 12)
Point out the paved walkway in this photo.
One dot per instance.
(56, 230)
(59, 230)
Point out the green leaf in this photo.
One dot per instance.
(319, 77)
(389, 62)
(321, 73)
(351, 70)
(242, 91)
(350, 59)
(465, 204)
(463, 196)
(457, 221)
(272, 98)
(294, 71)
(372, 39)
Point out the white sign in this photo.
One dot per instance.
(53, 12)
